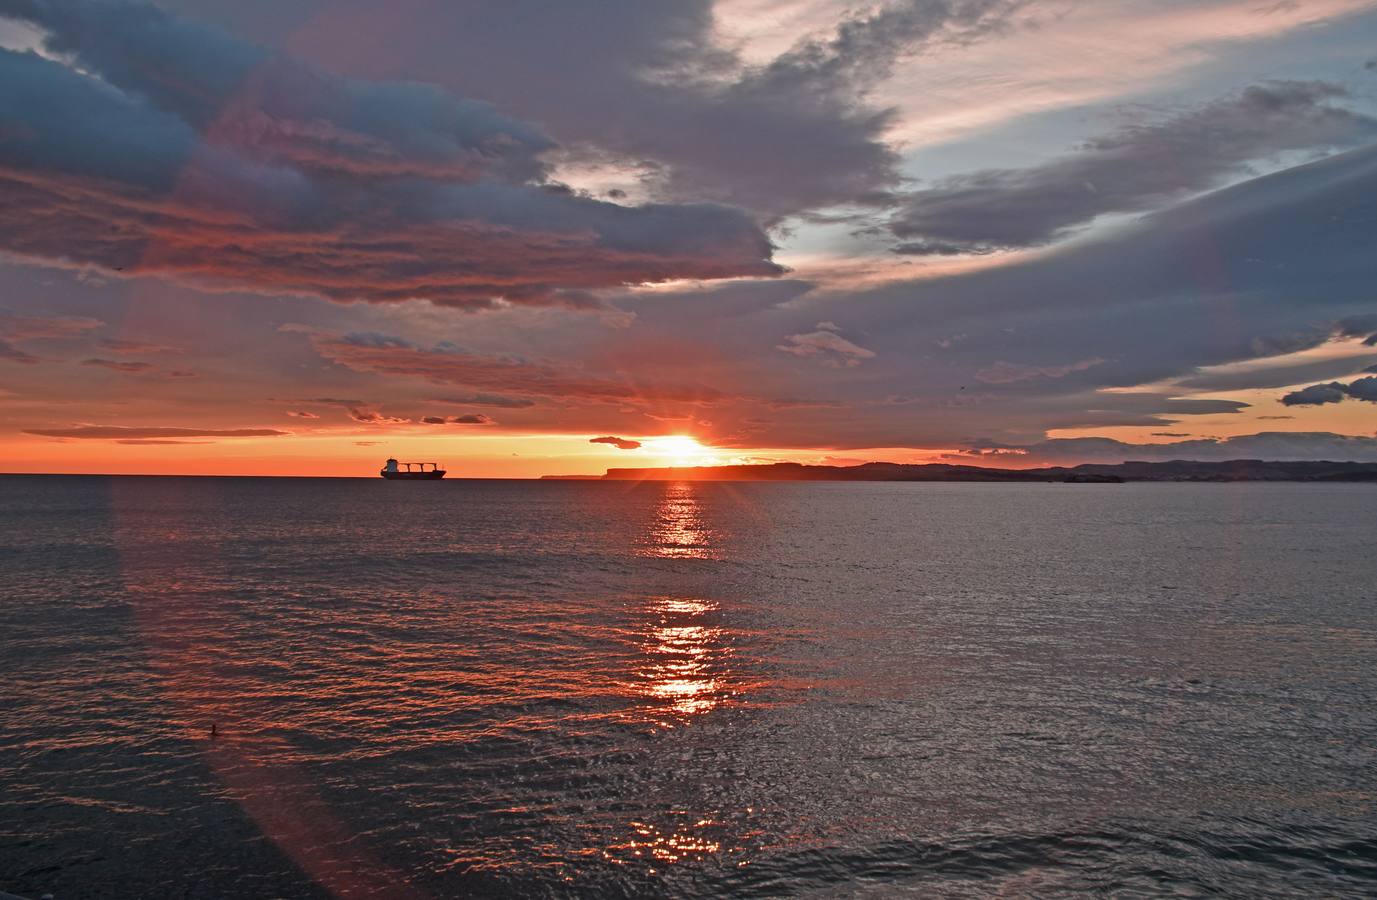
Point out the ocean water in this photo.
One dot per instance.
(557, 689)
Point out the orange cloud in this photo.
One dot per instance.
(128, 432)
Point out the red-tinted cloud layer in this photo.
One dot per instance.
(176, 150)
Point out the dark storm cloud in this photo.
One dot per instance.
(649, 84)
(619, 443)
(1363, 389)
(130, 432)
(1133, 169)
(1333, 392)
(1316, 395)
(198, 156)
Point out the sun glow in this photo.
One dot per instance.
(681, 450)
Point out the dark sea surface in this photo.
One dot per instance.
(526, 689)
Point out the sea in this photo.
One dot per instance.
(277, 687)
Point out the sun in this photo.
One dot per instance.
(681, 450)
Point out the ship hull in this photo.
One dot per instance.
(413, 476)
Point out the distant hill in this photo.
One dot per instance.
(1177, 470)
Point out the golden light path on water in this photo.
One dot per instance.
(681, 670)
(686, 672)
(680, 530)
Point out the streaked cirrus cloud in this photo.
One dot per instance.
(469, 419)
(136, 432)
(1139, 167)
(446, 363)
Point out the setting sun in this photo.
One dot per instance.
(681, 450)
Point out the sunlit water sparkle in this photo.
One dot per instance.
(551, 689)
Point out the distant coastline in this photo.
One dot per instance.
(1178, 470)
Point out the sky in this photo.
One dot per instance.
(527, 237)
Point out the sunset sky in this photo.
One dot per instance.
(520, 237)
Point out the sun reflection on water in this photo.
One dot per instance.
(649, 841)
(680, 530)
(685, 657)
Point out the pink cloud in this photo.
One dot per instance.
(445, 364)
(827, 345)
(25, 328)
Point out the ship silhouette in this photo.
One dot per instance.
(395, 471)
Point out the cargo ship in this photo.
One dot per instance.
(395, 471)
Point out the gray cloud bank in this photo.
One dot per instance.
(174, 149)
(1137, 168)
(1333, 392)
(1275, 265)
(652, 84)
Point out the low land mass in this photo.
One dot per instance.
(1178, 470)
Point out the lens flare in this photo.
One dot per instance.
(681, 450)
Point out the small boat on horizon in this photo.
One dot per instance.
(395, 471)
